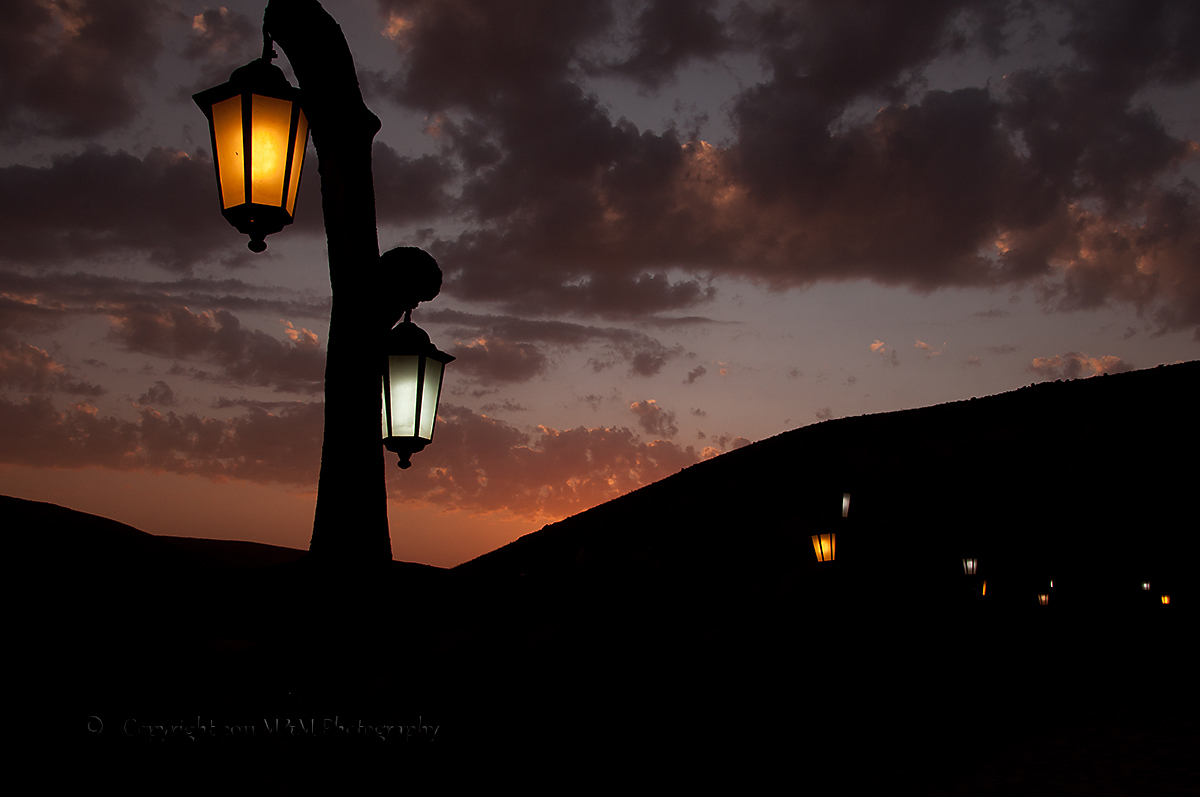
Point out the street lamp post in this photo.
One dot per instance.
(350, 524)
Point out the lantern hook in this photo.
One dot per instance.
(268, 53)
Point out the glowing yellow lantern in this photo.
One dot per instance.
(970, 566)
(412, 385)
(823, 546)
(1166, 599)
(259, 135)
(984, 587)
(1043, 599)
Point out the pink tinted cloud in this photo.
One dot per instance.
(1073, 365)
(476, 463)
(29, 369)
(483, 464)
(654, 419)
(258, 446)
(216, 337)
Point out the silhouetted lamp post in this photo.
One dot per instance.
(259, 135)
(259, 131)
(412, 384)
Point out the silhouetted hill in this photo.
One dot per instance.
(1086, 482)
(686, 627)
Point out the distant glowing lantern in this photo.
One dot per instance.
(823, 546)
(984, 587)
(259, 134)
(1044, 599)
(412, 384)
(1166, 599)
(1146, 586)
(845, 504)
(970, 566)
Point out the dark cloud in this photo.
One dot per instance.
(406, 189)
(220, 33)
(644, 355)
(1054, 176)
(575, 212)
(667, 35)
(97, 205)
(72, 69)
(1073, 365)
(1132, 42)
(654, 419)
(493, 361)
(467, 53)
(721, 444)
(695, 374)
(29, 369)
(506, 406)
(161, 394)
(47, 299)
(216, 337)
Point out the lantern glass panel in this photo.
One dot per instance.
(1043, 599)
(301, 144)
(824, 546)
(1166, 599)
(403, 370)
(429, 397)
(383, 405)
(845, 504)
(970, 566)
(269, 149)
(1146, 585)
(227, 132)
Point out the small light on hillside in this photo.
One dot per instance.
(984, 586)
(823, 546)
(1146, 586)
(970, 566)
(1166, 599)
(1044, 599)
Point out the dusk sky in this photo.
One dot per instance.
(668, 228)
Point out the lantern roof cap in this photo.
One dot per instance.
(260, 76)
(408, 338)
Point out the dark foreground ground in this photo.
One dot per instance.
(188, 667)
